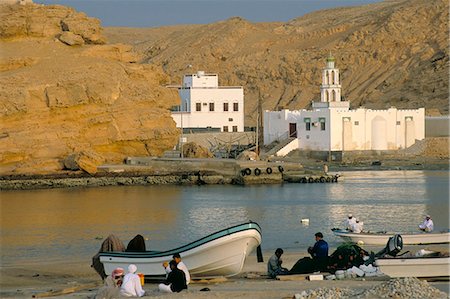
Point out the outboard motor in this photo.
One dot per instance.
(393, 247)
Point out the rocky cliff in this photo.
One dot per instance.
(68, 100)
(392, 53)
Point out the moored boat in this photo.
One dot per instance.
(380, 238)
(220, 254)
(438, 266)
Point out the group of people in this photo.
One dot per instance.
(129, 284)
(320, 260)
(318, 252)
(354, 225)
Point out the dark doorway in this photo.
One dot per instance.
(293, 130)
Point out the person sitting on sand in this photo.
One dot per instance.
(176, 280)
(112, 283)
(349, 222)
(274, 265)
(180, 265)
(131, 285)
(115, 279)
(357, 227)
(427, 225)
(319, 252)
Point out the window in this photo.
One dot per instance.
(225, 128)
(230, 119)
(235, 106)
(398, 123)
(225, 106)
(234, 128)
(356, 123)
(198, 106)
(211, 106)
(307, 121)
(322, 123)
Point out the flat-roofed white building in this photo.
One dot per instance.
(206, 105)
(331, 126)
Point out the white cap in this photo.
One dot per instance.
(356, 219)
(132, 268)
(428, 216)
(350, 215)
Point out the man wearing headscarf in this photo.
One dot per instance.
(111, 287)
(131, 286)
(115, 279)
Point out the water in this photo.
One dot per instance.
(54, 225)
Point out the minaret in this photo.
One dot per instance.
(330, 90)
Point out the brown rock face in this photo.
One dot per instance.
(392, 53)
(87, 101)
(34, 20)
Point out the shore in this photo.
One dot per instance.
(76, 279)
(194, 172)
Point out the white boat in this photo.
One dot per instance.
(220, 254)
(414, 266)
(381, 238)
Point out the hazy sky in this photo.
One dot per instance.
(154, 13)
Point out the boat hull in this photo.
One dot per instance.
(381, 239)
(415, 267)
(221, 256)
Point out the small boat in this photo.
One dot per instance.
(415, 266)
(381, 238)
(220, 254)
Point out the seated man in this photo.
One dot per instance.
(357, 227)
(319, 252)
(274, 265)
(176, 280)
(349, 222)
(427, 225)
(180, 265)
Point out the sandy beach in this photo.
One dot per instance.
(76, 279)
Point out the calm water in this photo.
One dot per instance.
(54, 225)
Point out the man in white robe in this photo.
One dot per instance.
(427, 225)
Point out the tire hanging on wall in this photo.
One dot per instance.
(322, 179)
(257, 171)
(310, 180)
(243, 172)
(248, 171)
(269, 170)
(280, 168)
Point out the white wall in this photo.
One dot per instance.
(214, 119)
(366, 130)
(316, 138)
(276, 124)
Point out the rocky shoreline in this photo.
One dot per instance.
(80, 179)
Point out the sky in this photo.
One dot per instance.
(156, 13)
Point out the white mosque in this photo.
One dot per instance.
(332, 127)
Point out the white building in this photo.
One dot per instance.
(206, 105)
(331, 126)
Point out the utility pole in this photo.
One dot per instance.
(182, 137)
(257, 134)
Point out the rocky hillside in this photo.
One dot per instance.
(392, 53)
(69, 100)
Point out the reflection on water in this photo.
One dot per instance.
(57, 224)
